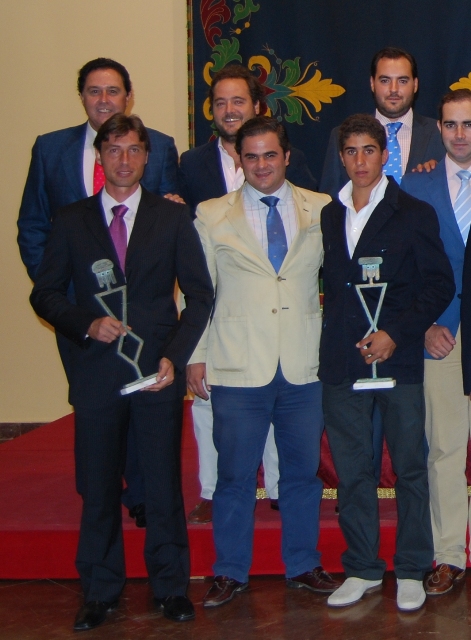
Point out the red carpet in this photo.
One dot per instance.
(41, 514)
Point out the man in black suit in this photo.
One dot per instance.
(163, 247)
(394, 83)
(63, 170)
(211, 171)
(373, 218)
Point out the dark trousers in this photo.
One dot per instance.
(133, 494)
(242, 417)
(100, 450)
(348, 422)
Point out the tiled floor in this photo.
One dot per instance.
(44, 610)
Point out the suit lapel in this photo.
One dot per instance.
(95, 221)
(144, 220)
(236, 216)
(418, 144)
(440, 196)
(381, 214)
(213, 168)
(303, 214)
(72, 162)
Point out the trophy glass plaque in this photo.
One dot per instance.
(103, 269)
(370, 273)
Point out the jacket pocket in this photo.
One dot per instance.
(227, 345)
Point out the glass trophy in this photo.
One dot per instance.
(103, 269)
(371, 273)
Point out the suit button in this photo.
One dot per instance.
(274, 310)
(279, 278)
(348, 284)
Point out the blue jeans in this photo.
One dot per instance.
(242, 417)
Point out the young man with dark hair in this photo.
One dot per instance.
(448, 189)
(144, 243)
(373, 218)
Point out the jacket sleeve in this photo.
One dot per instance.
(34, 221)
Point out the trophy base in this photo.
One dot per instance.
(142, 383)
(374, 383)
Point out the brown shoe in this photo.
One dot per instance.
(316, 580)
(222, 591)
(202, 513)
(442, 579)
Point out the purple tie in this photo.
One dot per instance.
(119, 233)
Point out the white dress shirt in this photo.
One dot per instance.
(454, 182)
(132, 204)
(355, 221)
(89, 159)
(256, 213)
(234, 178)
(404, 135)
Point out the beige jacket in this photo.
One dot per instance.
(260, 317)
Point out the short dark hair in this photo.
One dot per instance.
(393, 53)
(120, 125)
(460, 95)
(237, 71)
(103, 63)
(362, 123)
(260, 125)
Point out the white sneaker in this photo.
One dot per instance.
(352, 591)
(410, 594)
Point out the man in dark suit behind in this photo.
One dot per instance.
(163, 246)
(210, 171)
(394, 83)
(373, 218)
(63, 170)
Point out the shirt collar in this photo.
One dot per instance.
(255, 195)
(90, 136)
(406, 119)
(376, 195)
(452, 168)
(132, 202)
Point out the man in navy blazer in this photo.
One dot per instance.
(448, 419)
(394, 83)
(211, 171)
(62, 171)
(56, 174)
(160, 245)
(373, 218)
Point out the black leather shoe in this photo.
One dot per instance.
(91, 614)
(176, 608)
(139, 512)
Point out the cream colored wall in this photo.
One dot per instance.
(42, 45)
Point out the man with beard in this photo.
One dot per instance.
(412, 139)
(210, 171)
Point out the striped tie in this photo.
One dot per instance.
(393, 166)
(462, 206)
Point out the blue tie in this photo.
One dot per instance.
(276, 236)
(462, 207)
(393, 166)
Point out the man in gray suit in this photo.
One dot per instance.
(394, 83)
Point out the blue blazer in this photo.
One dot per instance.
(433, 188)
(426, 144)
(55, 179)
(403, 231)
(201, 176)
